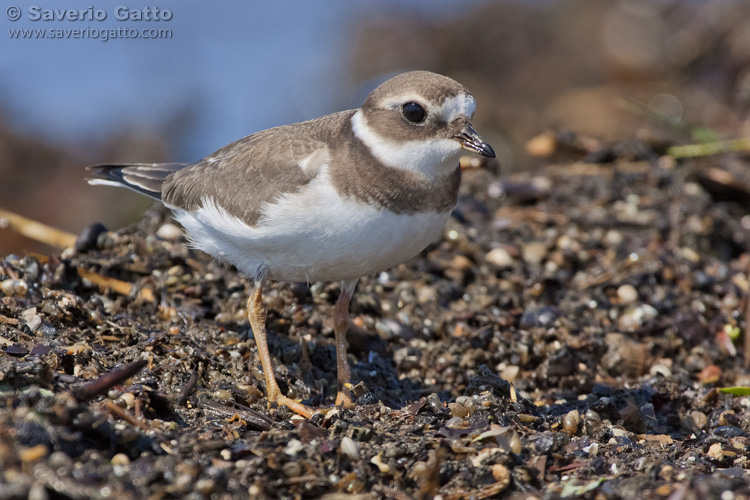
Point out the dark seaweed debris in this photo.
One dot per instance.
(563, 343)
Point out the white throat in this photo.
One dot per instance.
(431, 157)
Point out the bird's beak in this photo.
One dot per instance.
(471, 140)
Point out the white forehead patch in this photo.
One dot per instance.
(453, 107)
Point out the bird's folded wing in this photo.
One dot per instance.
(248, 173)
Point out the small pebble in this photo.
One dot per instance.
(613, 238)
(461, 263)
(715, 452)
(88, 238)
(350, 448)
(728, 417)
(434, 401)
(666, 472)
(499, 257)
(593, 416)
(14, 288)
(37, 492)
(205, 486)
(534, 252)
(58, 459)
(697, 420)
(426, 294)
(571, 421)
(182, 483)
(31, 318)
(169, 232)
(383, 331)
(467, 401)
(710, 374)
(455, 423)
(458, 410)
(516, 446)
(501, 474)
(635, 317)
(120, 459)
(221, 395)
(292, 469)
(33, 453)
(659, 369)
(128, 399)
(627, 294)
(293, 447)
(592, 449)
(378, 462)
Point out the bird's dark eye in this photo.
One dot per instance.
(414, 112)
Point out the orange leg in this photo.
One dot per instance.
(340, 325)
(256, 313)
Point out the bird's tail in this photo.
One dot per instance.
(145, 178)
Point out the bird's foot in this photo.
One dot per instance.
(293, 405)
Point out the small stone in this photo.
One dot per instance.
(696, 421)
(293, 447)
(383, 331)
(33, 453)
(58, 459)
(221, 395)
(627, 294)
(120, 459)
(14, 288)
(127, 400)
(499, 257)
(205, 486)
(350, 448)
(510, 373)
(592, 449)
(635, 317)
(710, 374)
(571, 421)
(292, 469)
(169, 231)
(181, 483)
(426, 294)
(534, 253)
(461, 263)
(715, 452)
(501, 474)
(37, 492)
(543, 144)
(89, 236)
(666, 472)
(660, 369)
(31, 318)
(728, 418)
(378, 462)
(613, 238)
(467, 401)
(515, 444)
(458, 410)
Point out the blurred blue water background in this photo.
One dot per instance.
(230, 68)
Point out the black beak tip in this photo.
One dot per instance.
(487, 151)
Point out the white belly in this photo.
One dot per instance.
(313, 235)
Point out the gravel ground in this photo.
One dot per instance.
(566, 339)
